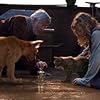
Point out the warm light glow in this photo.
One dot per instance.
(80, 3)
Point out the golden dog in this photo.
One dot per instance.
(11, 49)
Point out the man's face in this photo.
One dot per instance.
(40, 27)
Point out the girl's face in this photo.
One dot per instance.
(79, 32)
(82, 38)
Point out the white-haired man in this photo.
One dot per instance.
(26, 28)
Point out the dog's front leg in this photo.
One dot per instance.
(11, 72)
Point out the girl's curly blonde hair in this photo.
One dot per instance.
(82, 25)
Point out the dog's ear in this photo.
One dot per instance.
(36, 43)
(55, 57)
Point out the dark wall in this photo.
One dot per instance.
(63, 33)
(61, 20)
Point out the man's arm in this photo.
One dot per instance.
(18, 27)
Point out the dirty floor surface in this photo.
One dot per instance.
(50, 89)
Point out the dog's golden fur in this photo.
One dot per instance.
(11, 49)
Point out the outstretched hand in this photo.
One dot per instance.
(78, 81)
(41, 65)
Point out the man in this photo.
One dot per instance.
(26, 28)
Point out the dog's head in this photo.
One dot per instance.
(31, 49)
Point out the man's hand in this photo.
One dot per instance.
(41, 65)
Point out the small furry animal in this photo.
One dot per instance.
(11, 49)
(73, 66)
